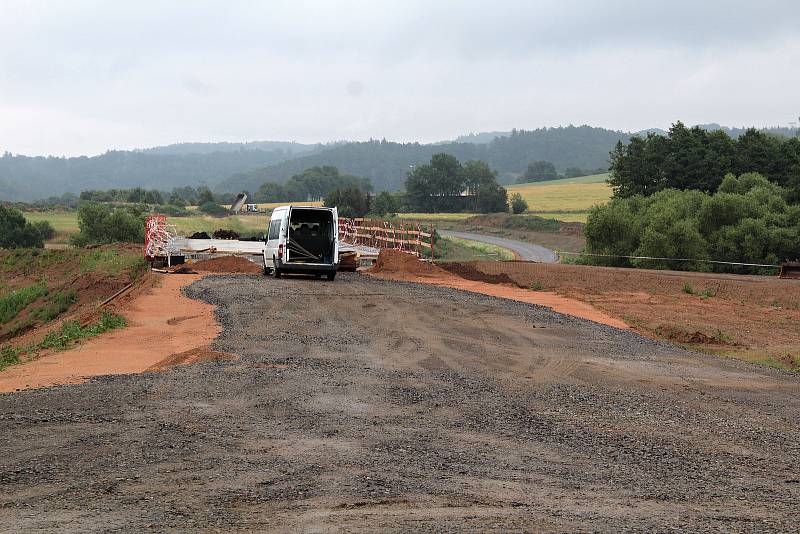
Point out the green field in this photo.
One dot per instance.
(66, 223)
(456, 249)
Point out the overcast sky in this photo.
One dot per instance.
(81, 77)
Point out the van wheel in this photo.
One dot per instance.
(275, 272)
(331, 276)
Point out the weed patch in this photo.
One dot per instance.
(536, 286)
(110, 262)
(8, 356)
(16, 301)
(72, 331)
(707, 293)
(57, 303)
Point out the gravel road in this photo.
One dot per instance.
(526, 251)
(368, 405)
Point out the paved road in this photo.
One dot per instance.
(526, 251)
(372, 406)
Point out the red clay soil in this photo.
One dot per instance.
(165, 328)
(754, 317)
(394, 265)
(227, 264)
(401, 264)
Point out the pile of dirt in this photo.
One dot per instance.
(680, 335)
(469, 272)
(399, 264)
(227, 264)
(188, 357)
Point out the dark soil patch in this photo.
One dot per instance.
(228, 264)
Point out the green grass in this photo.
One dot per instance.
(8, 356)
(63, 338)
(111, 261)
(57, 303)
(66, 223)
(29, 261)
(455, 249)
(591, 179)
(14, 302)
(72, 331)
(61, 221)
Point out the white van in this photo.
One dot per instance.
(302, 239)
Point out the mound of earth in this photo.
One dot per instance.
(396, 263)
(227, 264)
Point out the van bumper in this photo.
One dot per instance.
(307, 267)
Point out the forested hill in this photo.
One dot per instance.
(31, 178)
(290, 148)
(387, 163)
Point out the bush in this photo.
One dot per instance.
(45, 229)
(16, 232)
(101, 224)
(518, 204)
(747, 220)
(214, 209)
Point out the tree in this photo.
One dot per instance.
(518, 204)
(45, 229)
(204, 195)
(385, 203)
(350, 201)
(100, 224)
(538, 171)
(16, 232)
(491, 198)
(436, 186)
(271, 192)
(212, 208)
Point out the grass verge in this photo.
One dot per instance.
(63, 338)
(455, 249)
(16, 301)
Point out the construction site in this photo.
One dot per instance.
(409, 394)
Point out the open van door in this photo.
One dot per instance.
(335, 212)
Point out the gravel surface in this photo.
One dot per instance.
(368, 405)
(526, 251)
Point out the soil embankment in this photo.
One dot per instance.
(393, 265)
(162, 325)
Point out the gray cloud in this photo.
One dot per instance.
(82, 77)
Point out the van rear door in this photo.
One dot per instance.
(335, 212)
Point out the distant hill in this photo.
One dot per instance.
(387, 163)
(233, 167)
(289, 147)
(31, 178)
(479, 138)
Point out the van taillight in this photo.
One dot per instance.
(280, 251)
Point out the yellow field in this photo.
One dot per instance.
(552, 198)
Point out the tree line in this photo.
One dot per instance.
(700, 195)
(694, 158)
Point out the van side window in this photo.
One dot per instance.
(274, 229)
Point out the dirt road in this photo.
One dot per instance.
(525, 251)
(370, 405)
